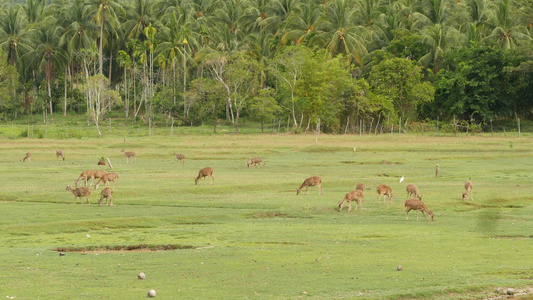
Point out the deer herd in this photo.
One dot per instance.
(356, 195)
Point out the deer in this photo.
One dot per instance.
(106, 193)
(128, 155)
(27, 157)
(92, 174)
(468, 187)
(106, 178)
(417, 205)
(207, 171)
(413, 190)
(180, 157)
(361, 187)
(79, 192)
(384, 190)
(59, 153)
(101, 162)
(254, 161)
(311, 181)
(356, 196)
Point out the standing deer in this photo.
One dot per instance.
(27, 157)
(59, 153)
(207, 171)
(311, 181)
(468, 187)
(106, 193)
(90, 174)
(79, 192)
(413, 190)
(106, 178)
(418, 206)
(180, 157)
(384, 190)
(254, 161)
(128, 155)
(356, 196)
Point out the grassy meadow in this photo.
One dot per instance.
(249, 235)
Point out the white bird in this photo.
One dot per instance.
(88, 236)
(401, 179)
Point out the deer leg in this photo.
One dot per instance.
(417, 215)
(350, 206)
(306, 188)
(212, 179)
(110, 200)
(320, 188)
(406, 212)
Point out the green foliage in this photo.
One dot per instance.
(264, 107)
(400, 81)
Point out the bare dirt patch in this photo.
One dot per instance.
(124, 248)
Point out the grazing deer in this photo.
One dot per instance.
(418, 206)
(79, 192)
(106, 178)
(360, 187)
(90, 174)
(27, 157)
(180, 157)
(413, 190)
(468, 187)
(384, 190)
(59, 153)
(254, 161)
(356, 196)
(207, 171)
(101, 162)
(311, 181)
(128, 155)
(106, 193)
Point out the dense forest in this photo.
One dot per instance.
(333, 65)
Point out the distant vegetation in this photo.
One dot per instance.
(337, 66)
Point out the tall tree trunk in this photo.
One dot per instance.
(100, 50)
(110, 68)
(65, 104)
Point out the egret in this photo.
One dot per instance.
(401, 179)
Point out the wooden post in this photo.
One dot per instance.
(360, 126)
(518, 123)
(318, 126)
(347, 122)
(377, 124)
(109, 162)
(437, 172)
(491, 131)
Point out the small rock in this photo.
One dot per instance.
(399, 268)
(141, 276)
(509, 291)
(62, 254)
(151, 293)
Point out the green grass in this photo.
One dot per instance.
(249, 234)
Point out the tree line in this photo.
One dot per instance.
(329, 65)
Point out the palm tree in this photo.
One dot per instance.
(506, 28)
(18, 38)
(299, 28)
(100, 10)
(50, 56)
(339, 32)
(138, 17)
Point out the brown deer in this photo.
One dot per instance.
(128, 155)
(180, 157)
(254, 161)
(468, 187)
(101, 162)
(79, 192)
(413, 190)
(384, 190)
(106, 193)
(59, 153)
(90, 174)
(27, 157)
(207, 171)
(418, 206)
(106, 178)
(356, 196)
(311, 181)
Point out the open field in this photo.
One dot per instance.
(249, 235)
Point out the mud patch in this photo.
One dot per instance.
(275, 214)
(125, 248)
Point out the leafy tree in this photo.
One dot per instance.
(401, 81)
(264, 107)
(208, 97)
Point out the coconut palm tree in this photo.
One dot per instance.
(17, 38)
(506, 29)
(300, 27)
